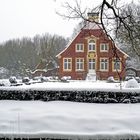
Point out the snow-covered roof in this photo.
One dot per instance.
(92, 26)
(126, 55)
(42, 70)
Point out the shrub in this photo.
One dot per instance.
(25, 80)
(132, 83)
(111, 79)
(13, 80)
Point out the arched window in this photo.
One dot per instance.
(91, 46)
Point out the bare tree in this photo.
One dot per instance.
(111, 18)
(128, 39)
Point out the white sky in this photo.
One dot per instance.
(19, 18)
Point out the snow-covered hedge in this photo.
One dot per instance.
(77, 96)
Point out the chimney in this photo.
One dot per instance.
(93, 17)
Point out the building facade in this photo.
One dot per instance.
(91, 51)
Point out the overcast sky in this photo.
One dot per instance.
(19, 18)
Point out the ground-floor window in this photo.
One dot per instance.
(67, 64)
(104, 64)
(79, 64)
(116, 64)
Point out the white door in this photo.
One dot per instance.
(91, 65)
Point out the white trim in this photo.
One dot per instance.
(80, 58)
(68, 45)
(92, 62)
(120, 50)
(104, 47)
(81, 45)
(113, 64)
(104, 58)
(67, 58)
(94, 44)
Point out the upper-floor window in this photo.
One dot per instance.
(104, 64)
(80, 47)
(91, 46)
(104, 47)
(67, 64)
(79, 64)
(116, 64)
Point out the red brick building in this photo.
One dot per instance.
(91, 51)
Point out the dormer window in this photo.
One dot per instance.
(79, 47)
(104, 47)
(91, 46)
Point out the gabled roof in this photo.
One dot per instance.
(122, 51)
(89, 26)
(68, 44)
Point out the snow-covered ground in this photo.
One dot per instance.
(75, 85)
(69, 120)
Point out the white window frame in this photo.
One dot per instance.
(104, 47)
(90, 63)
(67, 64)
(104, 64)
(92, 46)
(114, 63)
(79, 47)
(79, 64)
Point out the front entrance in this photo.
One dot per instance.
(91, 75)
(91, 65)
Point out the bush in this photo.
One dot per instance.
(65, 78)
(13, 80)
(111, 79)
(25, 80)
(138, 79)
(132, 83)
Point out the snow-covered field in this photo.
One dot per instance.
(69, 120)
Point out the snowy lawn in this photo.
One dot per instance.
(74, 85)
(70, 120)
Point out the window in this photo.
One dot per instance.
(116, 64)
(67, 64)
(91, 63)
(79, 47)
(91, 46)
(79, 64)
(104, 47)
(104, 64)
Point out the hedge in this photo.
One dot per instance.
(75, 96)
